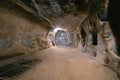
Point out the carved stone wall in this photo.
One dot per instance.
(15, 29)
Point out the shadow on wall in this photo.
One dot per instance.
(114, 19)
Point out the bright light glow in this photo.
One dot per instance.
(56, 29)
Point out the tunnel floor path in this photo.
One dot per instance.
(67, 64)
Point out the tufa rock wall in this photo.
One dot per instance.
(20, 35)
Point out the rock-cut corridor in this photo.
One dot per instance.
(67, 64)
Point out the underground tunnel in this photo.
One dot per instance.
(59, 40)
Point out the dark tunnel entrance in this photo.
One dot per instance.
(114, 19)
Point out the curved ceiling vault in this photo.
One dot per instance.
(66, 14)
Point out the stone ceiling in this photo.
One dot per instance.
(63, 13)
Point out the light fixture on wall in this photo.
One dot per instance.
(56, 29)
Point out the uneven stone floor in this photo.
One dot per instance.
(67, 64)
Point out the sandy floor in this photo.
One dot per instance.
(67, 64)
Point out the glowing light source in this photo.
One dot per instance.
(56, 29)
